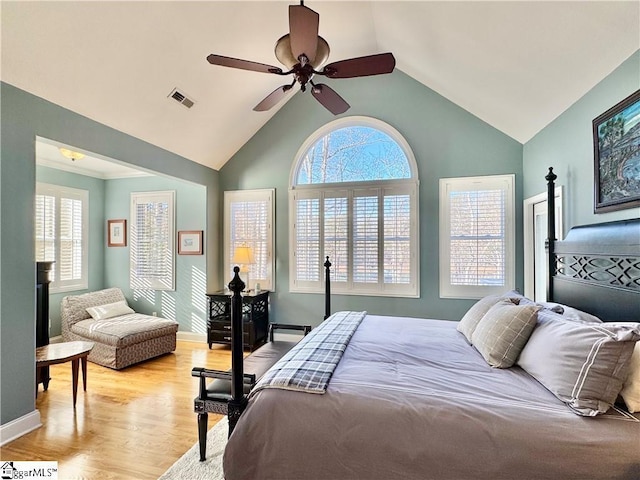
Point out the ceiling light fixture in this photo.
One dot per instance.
(71, 154)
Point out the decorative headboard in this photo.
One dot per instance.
(596, 268)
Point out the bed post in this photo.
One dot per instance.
(551, 232)
(238, 400)
(327, 288)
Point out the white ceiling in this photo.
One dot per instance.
(516, 65)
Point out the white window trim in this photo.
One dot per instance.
(166, 283)
(239, 196)
(328, 190)
(60, 191)
(505, 182)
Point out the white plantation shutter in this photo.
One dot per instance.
(397, 239)
(336, 237)
(369, 234)
(476, 236)
(365, 239)
(152, 234)
(61, 234)
(248, 222)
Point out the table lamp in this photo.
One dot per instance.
(243, 256)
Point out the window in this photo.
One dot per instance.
(152, 233)
(354, 198)
(477, 256)
(248, 221)
(62, 235)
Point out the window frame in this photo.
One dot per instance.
(383, 188)
(168, 281)
(505, 183)
(59, 192)
(266, 195)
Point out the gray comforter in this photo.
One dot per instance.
(410, 399)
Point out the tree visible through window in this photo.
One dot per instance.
(476, 236)
(152, 232)
(354, 198)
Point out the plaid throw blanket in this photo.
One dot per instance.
(308, 366)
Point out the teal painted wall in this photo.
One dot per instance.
(25, 116)
(447, 142)
(567, 145)
(96, 189)
(187, 304)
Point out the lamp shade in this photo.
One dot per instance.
(243, 256)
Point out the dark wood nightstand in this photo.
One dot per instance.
(255, 318)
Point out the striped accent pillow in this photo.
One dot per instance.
(503, 332)
(470, 321)
(583, 364)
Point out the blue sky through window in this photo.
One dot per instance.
(353, 154)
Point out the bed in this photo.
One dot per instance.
(412, 399)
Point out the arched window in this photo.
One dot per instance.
(354, 198)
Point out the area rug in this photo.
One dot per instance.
(189, 466)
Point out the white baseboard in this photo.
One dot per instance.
(19, 427)
(192, 337)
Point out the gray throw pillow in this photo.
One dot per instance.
(468, 324)
(503, 332)
(583, 364)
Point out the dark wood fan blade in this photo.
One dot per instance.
(273, 98)
(361, 66)
(242, 64)
(329, 98)
(303, 31)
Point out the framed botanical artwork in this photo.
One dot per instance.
(190, 242)
(616, 146)
(117, 233)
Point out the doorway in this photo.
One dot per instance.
(535, 235)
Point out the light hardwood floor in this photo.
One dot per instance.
(129, 424)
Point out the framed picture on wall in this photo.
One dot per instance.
(616, 146)
(117, 233)
(190, 242)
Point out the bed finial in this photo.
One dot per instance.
(238, 400)
(327, 288)
(551, 231)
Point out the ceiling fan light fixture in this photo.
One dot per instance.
(286, 58)
(70, 154)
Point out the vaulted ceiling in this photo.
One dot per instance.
(516, 65)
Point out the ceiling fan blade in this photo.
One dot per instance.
(273, 98)
(242, 64)
(303, 31)
(361, 66)
(329, 98)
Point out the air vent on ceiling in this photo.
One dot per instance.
(181, 98)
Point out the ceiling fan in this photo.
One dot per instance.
(302, 51)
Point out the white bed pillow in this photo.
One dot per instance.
(630, 392)
(519, 299)
(583, 364)
(468, 323)
(109, 310)
(578, 315)
(504, 331)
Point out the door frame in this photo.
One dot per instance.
(529, 234)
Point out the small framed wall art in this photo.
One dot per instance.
(616, 146)
(117, 233)
(190, 242)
